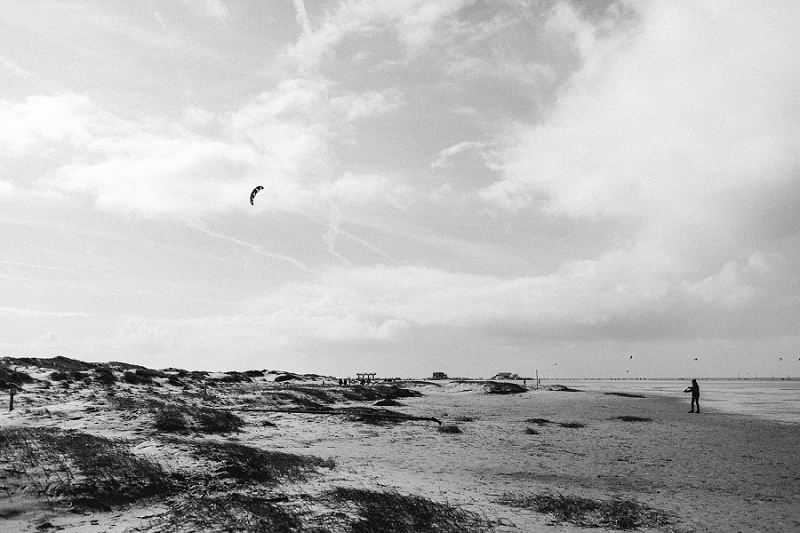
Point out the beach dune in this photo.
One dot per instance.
(709, 472)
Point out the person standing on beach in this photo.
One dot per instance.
(695, 390)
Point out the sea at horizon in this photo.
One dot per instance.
(769, 399)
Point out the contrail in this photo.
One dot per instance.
(255, 248)
(334, 230)
(302, 17)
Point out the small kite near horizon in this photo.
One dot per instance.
(253, 194)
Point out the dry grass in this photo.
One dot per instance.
(83, 470)
(538, 421)
(250, 464)
(229, 512)
(391, 512)
(181, 418)
(632, 419)
(587, 512)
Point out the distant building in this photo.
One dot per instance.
(506, 375)
(439, 375)
(365, 377)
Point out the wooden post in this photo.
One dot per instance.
(11, 391)
(537, 379)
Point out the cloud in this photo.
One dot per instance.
(302, 17)
(444, 157)
(212, 8)
(668, 125)
(354, 106)
(586, 300)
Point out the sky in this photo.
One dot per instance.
(574, 188)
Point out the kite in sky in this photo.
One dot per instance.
(253, 194)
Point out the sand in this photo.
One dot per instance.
(712, 471)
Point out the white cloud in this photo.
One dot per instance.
(665, 123)
(354, 106)
(212, 8)
(444, 157)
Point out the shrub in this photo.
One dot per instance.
(134, 378)
(445, 428)
(58, 375)
(217, 421)
(572, 425)
(14, 376)
(170, 418)
(104, 375)
(531, 431)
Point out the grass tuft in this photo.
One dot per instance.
(84, 470)
(391, 512)
(626, 394)
(633, 419)
(247, 463)
(587, 512)
(538, 421)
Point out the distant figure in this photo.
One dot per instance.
(695, 390)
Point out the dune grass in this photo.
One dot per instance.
(538, 421)
(391, 512)
(85, 471)
(588, 512)
(250, 464)
(180, 418)
(628, 418)
(229, 512)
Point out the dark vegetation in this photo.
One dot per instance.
(360, 393)
(496, 387)
(231, 512)
(83, 470)
(587, 512)
(247, 463)
(560, 388)
(538, 421)
(175, 417)
(391, 512)
(13, 377)
(626, 394)
(445, 428)
(632, 419)
(571, 425)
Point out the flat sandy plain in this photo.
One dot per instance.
(708, 472)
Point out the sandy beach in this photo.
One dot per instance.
(708, 472)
